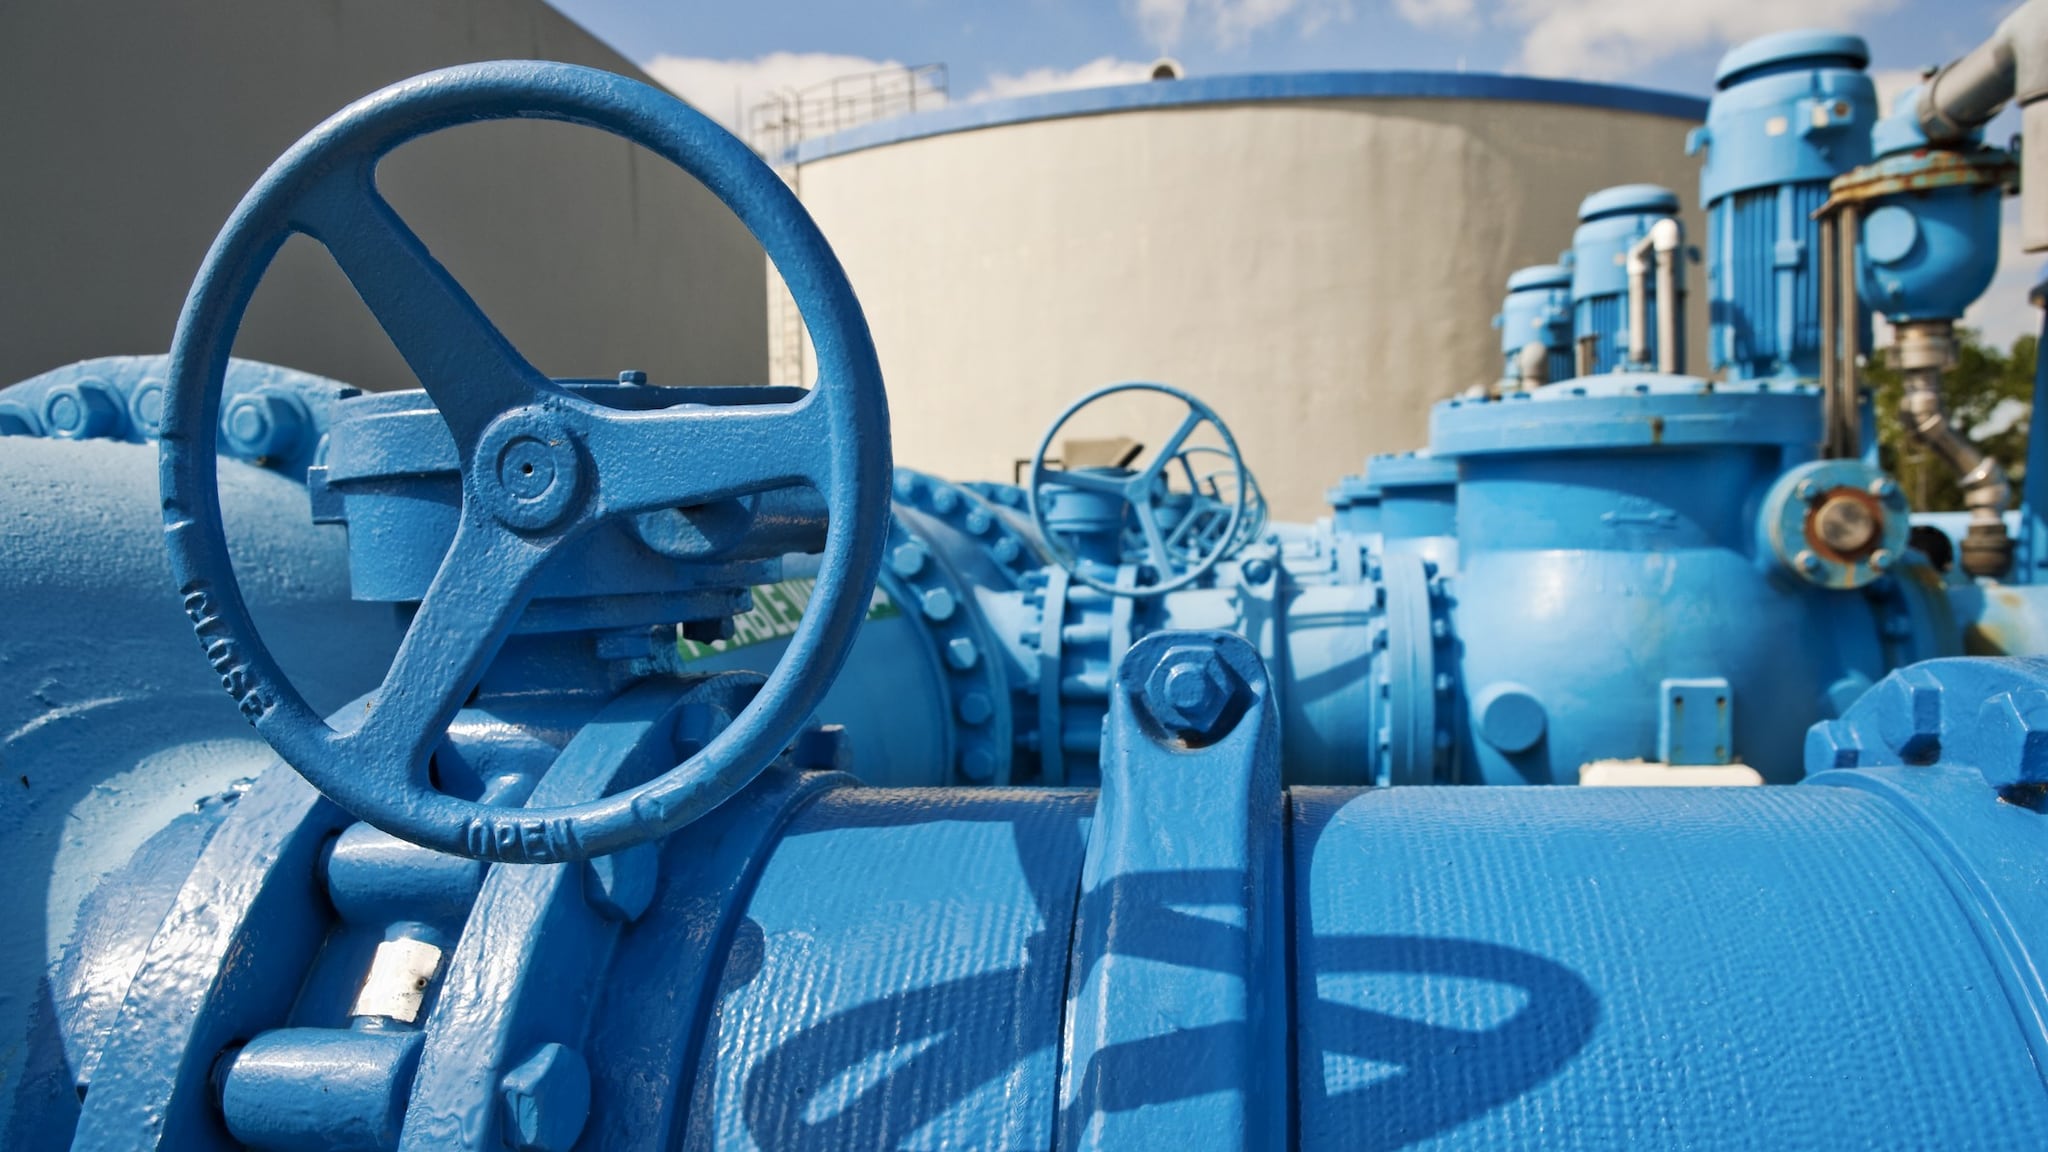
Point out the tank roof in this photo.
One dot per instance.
(1246, 89)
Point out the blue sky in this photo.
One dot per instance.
(1660, 43)
(727, 56)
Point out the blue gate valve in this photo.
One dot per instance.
(1169, 563)
(540, 465)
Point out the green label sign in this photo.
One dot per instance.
(776, 610)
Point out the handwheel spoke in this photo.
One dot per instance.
(681, 457)
(1180, 436)
(1155, 544)
(469, 368)
(483, 585)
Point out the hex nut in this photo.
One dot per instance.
(1189, 690)
(2013, 731)
(1909, 714)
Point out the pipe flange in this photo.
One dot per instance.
(1416, 681)
(1837, 524)
(977, 695)
(970, 514)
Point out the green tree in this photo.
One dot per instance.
(1989, 395)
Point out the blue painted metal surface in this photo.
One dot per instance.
(109, 729)
(1790, 113)
(1612, 221)
(270, 416)
(1929, 243)
(1190, 954)
(1230, 938)
(1537, 310)
(1257, 88)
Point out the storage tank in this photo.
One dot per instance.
(133, 128)
(1316, 254)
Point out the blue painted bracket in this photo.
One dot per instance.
(1177, 1009)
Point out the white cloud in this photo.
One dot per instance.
(1229, 23)
(1604, 39)
(1161, 21)
(1424, 13)
(1096, 73)
(729, 90)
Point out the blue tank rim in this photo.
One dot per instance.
(1814, 46)
(1539, 276)
(1248, 88)
(1628, 198)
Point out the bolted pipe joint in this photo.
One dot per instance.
(1191, 690)
(2013, 733)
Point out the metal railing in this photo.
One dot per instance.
(787, 118)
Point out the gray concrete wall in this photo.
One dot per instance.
(133, 127)
(1320, 272)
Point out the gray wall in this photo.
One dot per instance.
(132, 127)
(1319, 271)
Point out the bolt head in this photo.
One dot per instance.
(962, 653)
(1832, 744)
(1909, 714)
(2013, 731)
(908, 559)
(85, 410)
(975, 708)
(262, 424)
(1189, 690)
(545, 1100)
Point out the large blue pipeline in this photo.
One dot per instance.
(669, 770)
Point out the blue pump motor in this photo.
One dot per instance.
(1537, 311)
(1610, 250)
(1790, 113)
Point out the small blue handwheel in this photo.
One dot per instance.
(540, 466)
(1164, 567)
(1211, 486)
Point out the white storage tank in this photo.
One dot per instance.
(1318, 255)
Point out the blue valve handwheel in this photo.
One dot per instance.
(540, 466)
(1141, 491)
(1210, 484)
